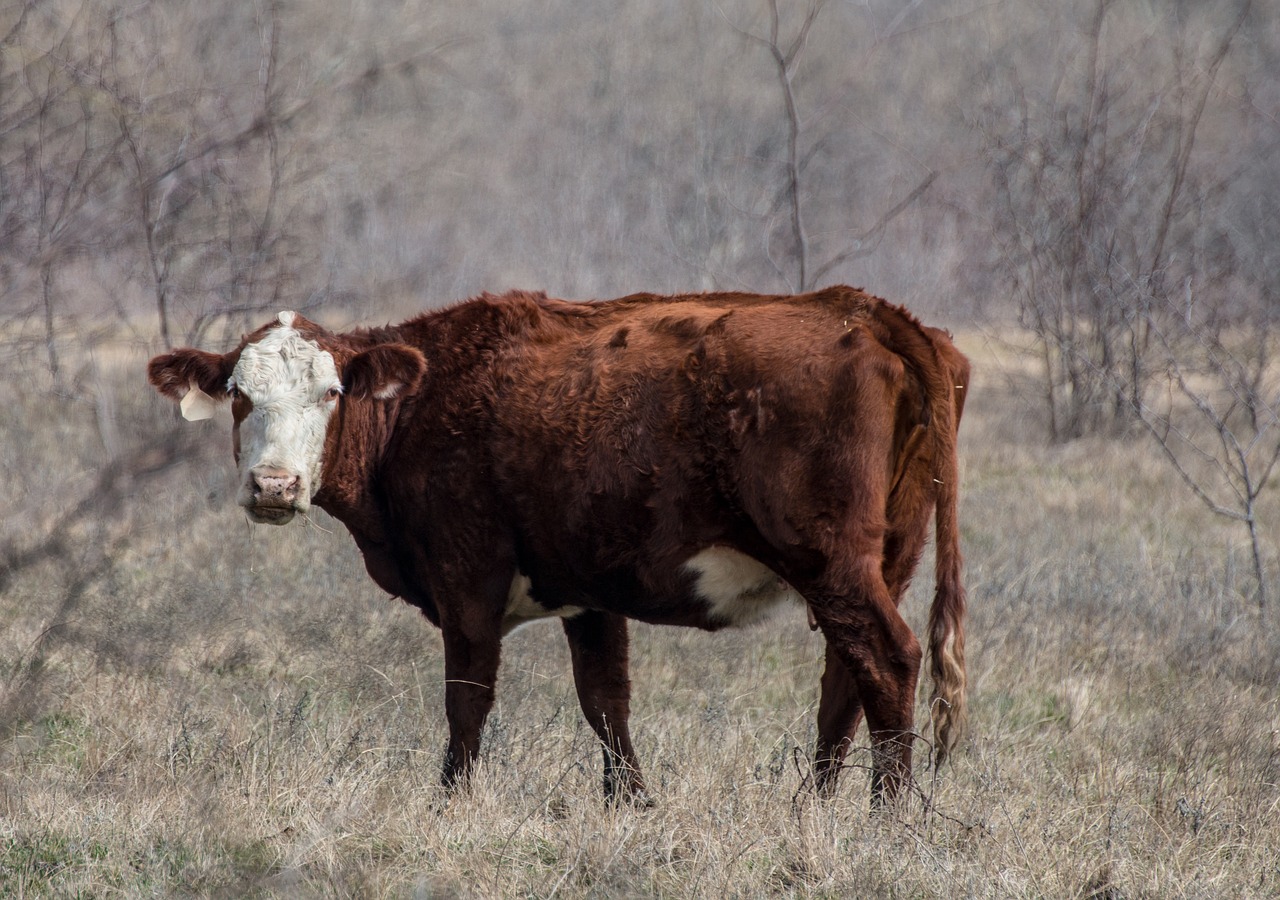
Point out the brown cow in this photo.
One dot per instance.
(691, 460)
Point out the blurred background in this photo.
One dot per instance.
(175, 167)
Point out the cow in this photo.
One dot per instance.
(690, 460)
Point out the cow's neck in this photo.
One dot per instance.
(354, 447)
(352, 494)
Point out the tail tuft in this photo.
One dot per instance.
(946, 616)
(947, 706)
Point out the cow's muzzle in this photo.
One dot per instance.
(273, 495)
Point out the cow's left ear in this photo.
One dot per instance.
(383, 372)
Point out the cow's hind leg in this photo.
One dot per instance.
(839, 714)
(598, 643)
(863, 626)
(840, 707)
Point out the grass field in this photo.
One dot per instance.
(196, 706)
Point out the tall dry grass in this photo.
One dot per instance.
(196, 706)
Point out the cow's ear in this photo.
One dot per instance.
(175, 374)
(383, 372)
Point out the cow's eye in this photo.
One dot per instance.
(233, 392)
(333, 393)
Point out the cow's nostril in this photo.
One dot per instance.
(275, 484)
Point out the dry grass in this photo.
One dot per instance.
(196, 706)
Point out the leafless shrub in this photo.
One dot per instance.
(1104, 203)
(1217, 419)
(1136, 251)
(179, 179)
(57, 154)
(210, 185)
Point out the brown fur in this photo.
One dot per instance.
(596, 447)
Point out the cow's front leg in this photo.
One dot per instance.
(598, 643)
(471, 656)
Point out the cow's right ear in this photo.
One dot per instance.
(383, 372)
(174, 374)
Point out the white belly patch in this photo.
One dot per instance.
(523, 609)
(738, 590)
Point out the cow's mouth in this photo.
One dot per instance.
(271, 515)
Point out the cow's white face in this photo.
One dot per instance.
(284, 388)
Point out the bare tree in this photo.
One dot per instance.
(57, 154)
(785, 61)
(184, 178)
(1101, 200)
(786, 55)
(210, 194)
(1148, 297)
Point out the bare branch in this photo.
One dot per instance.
(858, 245)
(1187, 136)
(802, 38)
(1166, 447)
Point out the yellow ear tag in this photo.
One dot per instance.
(197, 405)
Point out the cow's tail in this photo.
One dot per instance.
(946, 616)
